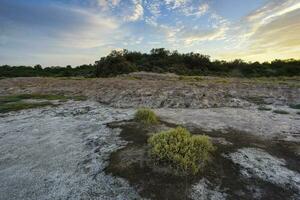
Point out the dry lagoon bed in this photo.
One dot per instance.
(94, 150)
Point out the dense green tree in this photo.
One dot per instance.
(114, 64)
(160, 60)
(38, 67)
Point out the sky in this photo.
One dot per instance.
(75, 32)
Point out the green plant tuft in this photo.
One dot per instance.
(283, 112)
(295, 106)
(20, 97)
(177, 148)
(263, 108)
(16, 106)
(17, 102)
(146, 116)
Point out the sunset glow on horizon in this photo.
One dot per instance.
(62, 32)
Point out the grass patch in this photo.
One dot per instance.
(177, 148)
(146, 116)
(20, 97)
(283, 112)
(264, 108)
(133, 78)
(73, 78)
(16, 102)
(79, 98)
(16, 106)
(295, 106)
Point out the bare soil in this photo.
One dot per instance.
(171, 92)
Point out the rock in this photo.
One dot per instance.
(202, 191)
(221, 141)
(266, 125)
(61, 153)
(258, 163)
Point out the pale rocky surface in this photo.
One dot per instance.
(60, 153)
(202, 191)
(265, 124)
(258, 163)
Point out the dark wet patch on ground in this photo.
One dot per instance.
(134, 164)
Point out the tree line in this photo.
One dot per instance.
(161, 61)
(54, 71)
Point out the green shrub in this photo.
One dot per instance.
(16, 106)
(186, 154)
(79, 98)
(146, 116)
(295, 106)
(283, 112)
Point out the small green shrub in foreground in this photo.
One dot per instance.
(146, 116)
(186, 154)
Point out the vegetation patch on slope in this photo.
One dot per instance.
(16, 106)
(264, 108)
(19, 102)
(283, 112)
(37, 96)
(146, 116)
(295, 106)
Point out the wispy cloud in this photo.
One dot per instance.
(154, 7)
(106, 4)
(268, 33)
(203, 8)
(51, 31)
(173, 4)
(201, 36)
(197, 11)
(136, 12)
(55, 30)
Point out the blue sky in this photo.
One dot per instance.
(62, 32)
